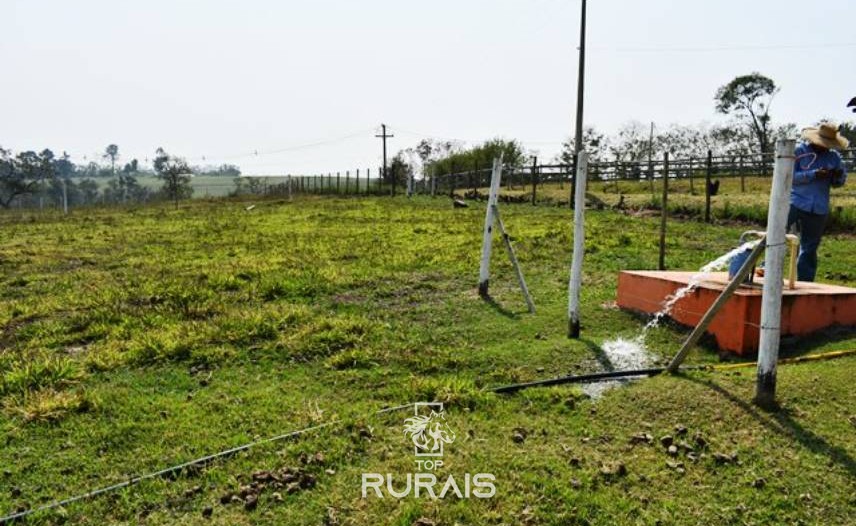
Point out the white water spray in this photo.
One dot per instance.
(629, 354)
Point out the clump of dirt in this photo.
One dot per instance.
(287, 479)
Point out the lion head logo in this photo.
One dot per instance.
(429, 432)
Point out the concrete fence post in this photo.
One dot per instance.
(771, 303)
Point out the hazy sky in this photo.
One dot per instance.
(224, 79)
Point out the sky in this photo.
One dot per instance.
(301, 87)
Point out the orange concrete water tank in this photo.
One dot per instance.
(808, 308)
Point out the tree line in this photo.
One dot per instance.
(746, 101)
(38, 178)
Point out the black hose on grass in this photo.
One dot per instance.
(579, 379)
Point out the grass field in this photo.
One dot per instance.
(135, 339)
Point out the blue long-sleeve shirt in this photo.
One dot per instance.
(809, 193)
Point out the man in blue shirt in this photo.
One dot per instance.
(817, 168)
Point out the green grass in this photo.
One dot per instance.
(131, 340)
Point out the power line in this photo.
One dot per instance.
(690, 49)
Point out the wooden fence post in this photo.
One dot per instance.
(742, 175)
(490, 218)
(707, 174)
(664, 212)
(690, 175)
(534, 175)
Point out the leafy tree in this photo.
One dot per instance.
(112, 152)
(748, 98)
(481, 157)
(596, 144)
(175, 174)
(23, 174)
(848, 130)
(131, 167)
(399, 169)
(88, 191)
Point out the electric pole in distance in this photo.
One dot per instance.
(384, 136)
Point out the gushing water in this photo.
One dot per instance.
(695, 280)
(629, 354)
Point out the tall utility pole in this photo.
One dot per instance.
(581, 79)
(384, 136)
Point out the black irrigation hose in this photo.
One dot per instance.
(579, 379)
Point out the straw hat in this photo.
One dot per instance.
(825, 135)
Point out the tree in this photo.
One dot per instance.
(399, 169)
(848, 131)
(23, 174)
(596, 144)
(112, 152)
(748, 99)
(175, 174)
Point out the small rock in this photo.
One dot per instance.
(15, 492)
(699, 440)
(207, 511)
(722, 458)
(262, 476)
(330, 471)
(293, 487)
(518, 438)
(680, 430)
(674, 465)
(673, 450)
(666, 440)
(235, 499)
(226, 498)
(575, 462)
(251, 503)
(307, 481)
(423, 521)
(614, 469)
(192, 491)
(276, 496)
(576, 484)
(759, 483)
(539, 369)
(641, 438)
(685, 447)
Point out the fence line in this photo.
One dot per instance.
(526, 180)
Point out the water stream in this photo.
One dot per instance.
(630, 353)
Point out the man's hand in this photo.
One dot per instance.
(822, 174)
